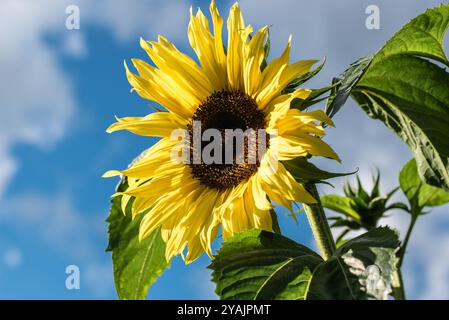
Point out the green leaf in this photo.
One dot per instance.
(399, 205)
(137, 265)
(341, 222)
(316, 96)
(423, 36)
(257, 265)
(375, 191)
(262, 265)
(266, 49)
(405, 88)
(361, 268)
(340, 204)
(303, 104)
(416, 190)
(341, 92)
(274, 219)
(305, 77)
(304, 171)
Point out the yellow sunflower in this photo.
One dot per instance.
(230, 88)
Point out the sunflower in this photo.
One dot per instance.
(231, 87)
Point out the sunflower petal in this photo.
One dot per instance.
(195, 249)
(294, 71)
(165, 208)
(282, 183)
(203, 43)
(313, 145)
(280, 106)
(153, 87)
(259, 219)
(237, 37)
(179, 67)
(220, 55)
(307, 117)
(271, 76)
(158, 124)
(259, 195)
(255, 54)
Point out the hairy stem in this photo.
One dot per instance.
(318, 223)
(399, 292)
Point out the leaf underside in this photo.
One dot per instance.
(406, 88)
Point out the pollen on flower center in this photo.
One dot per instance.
(229, 110)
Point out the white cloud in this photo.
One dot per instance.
(36, 95)
(131, 19)
(38, 103)
(12, 258)
(8, 167)
(98, 278)
(54, 219)
(75, 45)
(427, 257)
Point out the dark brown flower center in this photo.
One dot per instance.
(222, 111)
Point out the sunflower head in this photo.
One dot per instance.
(226, 111)
(232, 95)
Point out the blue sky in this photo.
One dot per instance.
(60, 89)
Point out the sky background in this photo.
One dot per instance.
(60, 89)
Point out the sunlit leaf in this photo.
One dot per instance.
(340, 204)
(136, 264)
(415, 189)
(304, 171)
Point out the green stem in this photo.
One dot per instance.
(318, 223)
(342, 235)
(406, 239)
(399, 292)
